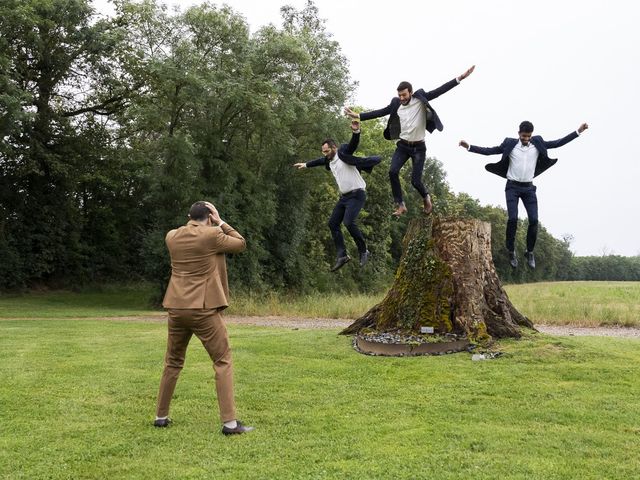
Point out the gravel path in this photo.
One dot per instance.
(336, 323)
(560, 330)
(589, 331)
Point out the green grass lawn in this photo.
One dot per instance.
(77, 399)
(107, 301)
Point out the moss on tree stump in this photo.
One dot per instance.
(446, 285)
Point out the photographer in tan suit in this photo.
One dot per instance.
(198, 291)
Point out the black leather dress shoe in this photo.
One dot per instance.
(513, 260)
(531, 260)
(364, 257)
(240, 428)
(340, 262)
(162, 422)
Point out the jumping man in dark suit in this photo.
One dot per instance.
(522, 159)
(409, 115)
(346, 170)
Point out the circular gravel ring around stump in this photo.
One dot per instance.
(370, 347)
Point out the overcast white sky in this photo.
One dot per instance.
(555, 63)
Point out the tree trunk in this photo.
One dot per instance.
(446, 289)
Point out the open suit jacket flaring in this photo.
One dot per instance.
(392, 131)
(544, 162)
(345, 152)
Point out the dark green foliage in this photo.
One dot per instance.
(112, 128)
(609, 267)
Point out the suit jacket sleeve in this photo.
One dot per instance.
(353, 143)
(228, 240)
(562, 141)
(487, 150)
(376, 113)
(441, 89)
(365, 164)
(316, 163)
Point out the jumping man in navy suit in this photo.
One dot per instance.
(409, 115)
(522, 159)
(346, 168)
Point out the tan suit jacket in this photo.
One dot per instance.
(198, 265)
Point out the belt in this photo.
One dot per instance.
(411, 144)
(520, 184)
(352, 192)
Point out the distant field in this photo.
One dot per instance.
(329, 305)
(586, 304)
(553, 303)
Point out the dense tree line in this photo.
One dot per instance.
(607, 267)
(112, 127)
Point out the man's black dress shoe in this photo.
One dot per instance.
(162, 422)
(340, 262)
(240, 428)
(364, 257)
(531, 260)
(513, 260)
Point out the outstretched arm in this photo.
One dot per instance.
(311, 163)
(367, 115)
(467, 73)
(481, 150)
(563, 141)
(449, 85)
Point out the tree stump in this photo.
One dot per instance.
(446, 294)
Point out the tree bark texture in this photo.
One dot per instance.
(446, 281)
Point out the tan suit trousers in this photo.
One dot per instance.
(209, 327)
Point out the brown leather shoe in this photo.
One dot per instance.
(401, 209)
(240, 428)
(428, 206)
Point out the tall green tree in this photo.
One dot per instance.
(57, 65)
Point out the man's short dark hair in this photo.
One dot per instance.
(329, 141)
(404, 86)
(526, 127)
(199, 211)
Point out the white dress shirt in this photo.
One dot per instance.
(413, 118)
(347, 176)
(522, 162)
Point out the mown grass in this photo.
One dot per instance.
(557, 303)
(587, 304)
(107, 301)
(77, 400)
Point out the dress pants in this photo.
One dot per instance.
(208, 326)
(418, 154)
(346, 211)
(515, 191)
